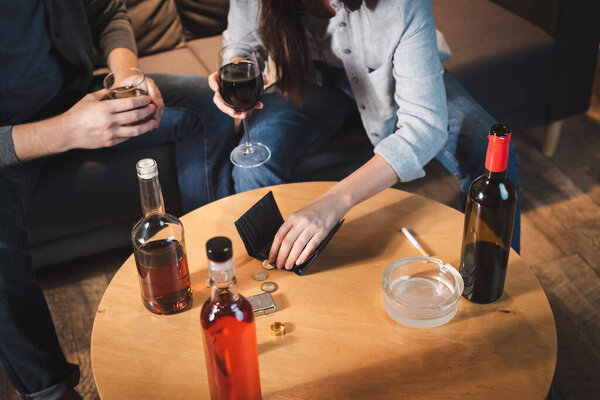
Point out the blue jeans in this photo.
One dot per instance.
(293, 131)
(29, 350)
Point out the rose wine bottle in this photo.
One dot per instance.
(489, 218)
(159, 249)
(229, 332)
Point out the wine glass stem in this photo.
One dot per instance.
(249, 148)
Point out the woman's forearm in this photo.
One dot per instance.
(373, 177)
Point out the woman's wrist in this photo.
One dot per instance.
(343, 199)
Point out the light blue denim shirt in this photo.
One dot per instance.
(391, 58)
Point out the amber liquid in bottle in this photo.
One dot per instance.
(159, 249)
(164, 276)
(229, 334)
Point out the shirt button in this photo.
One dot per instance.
(355, 80)
(374, 134)
(347, 51)
(342, 24)
(362, 107)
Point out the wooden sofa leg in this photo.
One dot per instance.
(551, 135)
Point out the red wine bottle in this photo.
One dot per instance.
(227, 319)
(489, 218)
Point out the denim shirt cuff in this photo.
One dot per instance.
(401, 157)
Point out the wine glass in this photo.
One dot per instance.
(127, 82)
(240, 86)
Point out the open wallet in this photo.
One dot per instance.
(258, 226)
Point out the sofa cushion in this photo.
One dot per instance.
(207, 51)
(178, 61)
(497, 55)
(156, 25)
(202, 18)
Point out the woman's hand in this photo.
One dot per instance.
(213, 83)
(305, 229)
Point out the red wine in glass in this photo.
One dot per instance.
(240, 86)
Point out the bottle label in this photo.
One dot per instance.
(497, 153)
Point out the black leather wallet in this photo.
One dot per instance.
(258, 226)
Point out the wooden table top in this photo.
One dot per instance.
(340, 343)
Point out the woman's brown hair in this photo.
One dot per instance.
(284, 39)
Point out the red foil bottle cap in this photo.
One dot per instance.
(497, 154)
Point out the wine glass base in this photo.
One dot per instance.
(251, 156)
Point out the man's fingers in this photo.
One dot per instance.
(157, 99)
(118, 140)
(132, 116)
(129, 103)
(100, 94)
(126, 132)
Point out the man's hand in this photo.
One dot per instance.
(157, 100)
(213, 83)
(94, 122)
(305, 229)
(91, 123)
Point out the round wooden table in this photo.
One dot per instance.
(340, 343)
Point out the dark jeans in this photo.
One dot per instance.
(29, 349)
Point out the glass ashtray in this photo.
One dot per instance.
(421, 292)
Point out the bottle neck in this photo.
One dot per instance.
(151, 196)
(496, 158)
(222, 277)
(494, 175)
(218, 288)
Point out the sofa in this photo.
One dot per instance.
(528, 62)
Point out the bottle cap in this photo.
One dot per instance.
(496, 158)
(218, 249)
(500, 130)
(220, 259)
(146, 168)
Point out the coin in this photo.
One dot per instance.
(207, 282)
(277, 329)
(260, 275)
(268, 265)
(269, 287)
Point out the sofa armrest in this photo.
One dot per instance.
(577, 36)
(542, 13)
(574, 27)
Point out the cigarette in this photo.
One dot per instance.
(414, 242)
